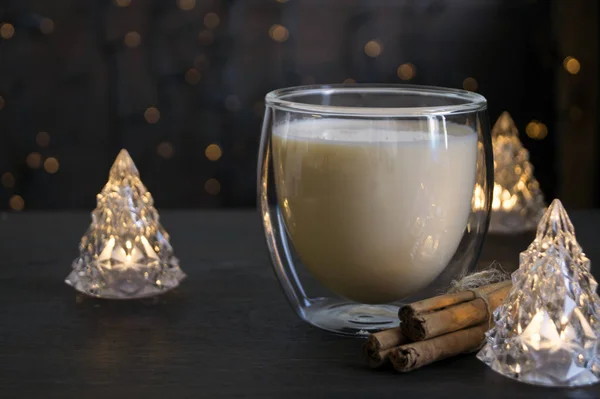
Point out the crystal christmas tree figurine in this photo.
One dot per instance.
(126, 252)
(546, 332)
(518, 203)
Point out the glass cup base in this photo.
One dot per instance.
(350, 318)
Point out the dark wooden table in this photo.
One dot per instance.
(226, 331)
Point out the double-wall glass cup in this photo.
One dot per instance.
(372, 196)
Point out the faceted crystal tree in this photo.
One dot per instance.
(125, 252)
(518, 204)
(546, 332)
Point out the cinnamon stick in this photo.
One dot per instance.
(412, 356)
(380, 344)
(419, 327)
(443, 301)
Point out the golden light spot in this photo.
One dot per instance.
(192, 76)
(165, 150)
(212, 186)
(211, 20)
(1, 102)
(536, 130)
(572, 65)
(373, 48)
(232, 103)
(132, 39)
(213, 152)
(279, 33)
(152, 115)
(7, 31)
(51, 165)
(42, 139)
(8, 180)
(470, 84)
(123, 3)
(205, 37)
(575, 113)
(16, 203)
(406, 71)
(34, 160)
(349, 81)
(186, 5)
(46, 26)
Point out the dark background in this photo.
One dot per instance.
(81, 79)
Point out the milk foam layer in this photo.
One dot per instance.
(375, 209)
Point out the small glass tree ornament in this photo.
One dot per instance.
(518, 204)
(125, 252)
(546, 332)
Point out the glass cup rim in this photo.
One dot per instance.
(472, 101)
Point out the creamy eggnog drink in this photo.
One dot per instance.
(375, 209)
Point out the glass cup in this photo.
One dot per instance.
(372, 196)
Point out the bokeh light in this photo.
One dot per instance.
(213, 152)
(470, 84)
(132, 39)
(406, 71)
(51, 165)
(42, 139)
(34, 160)
(373, 48)
(123, 3)
(165, 150)
(279, 33)
(186, 5)
(536, 130)
(211, 20)
(212, 186)
(572, 65)
(46, 26)
(16, 203)
(7, 31)
(152, 115)
(8, 180)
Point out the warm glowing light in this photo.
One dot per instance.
(279, 33)
(7, 31)
(165, 150)
(192, 76)
(572, 65)
(8, 180)
(349, 81)
(536, 130)
(232, 103)
(46, 26)
(123, 3)
(406, 71)
(213, 152)
(51, 165)
(212, 186)
(42, 139)
(211, 20)
(205, 37)
(132, 39)
(186, 5)
(16, 203)
(34, 160)
(152, 115)
(373, 48)
(470, 84)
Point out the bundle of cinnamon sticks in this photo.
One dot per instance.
(436, 328)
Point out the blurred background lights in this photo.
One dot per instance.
(470, 84)
(46, 26)
(8, 180)
(406, 71)
(192, 76)
(572, 65)
(16, 203)
(42, 139)
(279, 33)
(123, 3)
(132, 39)
(211, 20)
(165, 150)
(205, 37)
(373, 48)
(7, 31)
(186, 5)
(212, 186)
(51, 165)
(213, 152)
(536, 130)
(152, 115)
(34, 160)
